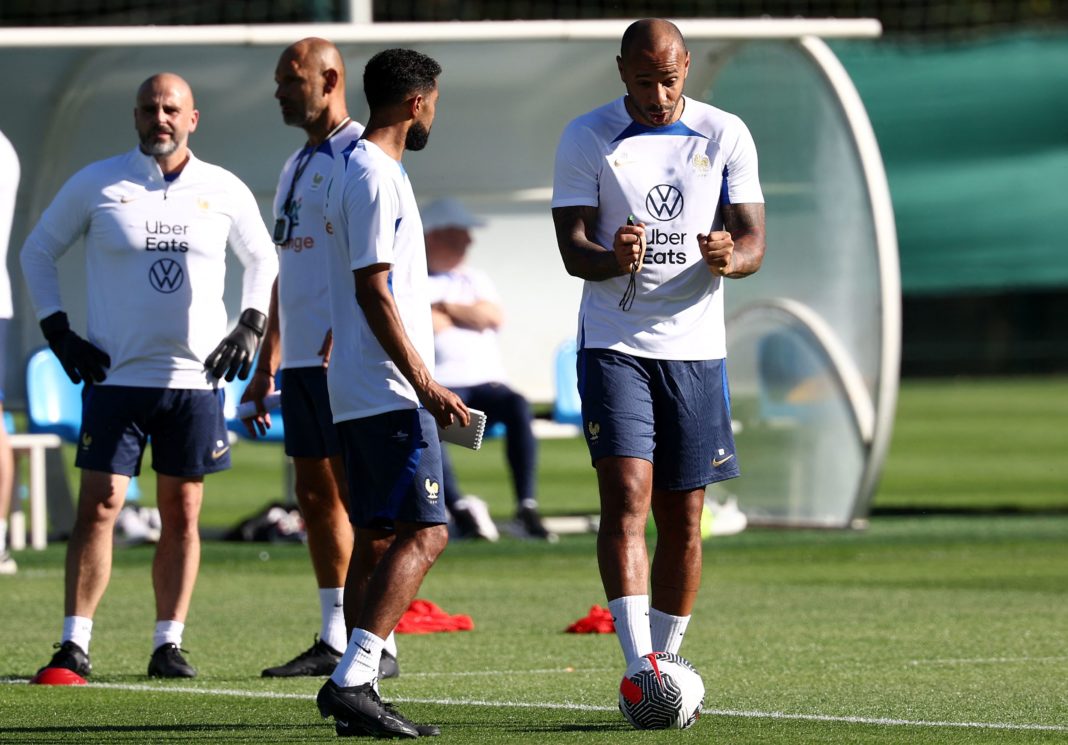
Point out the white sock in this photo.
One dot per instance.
(667, 630)
(78, 629)
(391, 644)
(3, 534)
(359, 664)
(631, 617)
(167, 632)
(332, 608)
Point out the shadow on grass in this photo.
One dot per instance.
(257, 732)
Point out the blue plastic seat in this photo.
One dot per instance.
(54, 404)
(567, 406)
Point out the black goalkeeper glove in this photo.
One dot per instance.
(81, 360)
(236, 351)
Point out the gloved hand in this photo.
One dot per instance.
(81, 360)
(236, 351)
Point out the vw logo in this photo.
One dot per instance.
(166, 276)
(664, 202)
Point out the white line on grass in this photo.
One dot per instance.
(878, 721)
(986, 660)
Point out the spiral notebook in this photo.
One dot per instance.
(469, 436)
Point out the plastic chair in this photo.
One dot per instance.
(567, 407)
(54, 404)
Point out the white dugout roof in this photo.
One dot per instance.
(813, 338)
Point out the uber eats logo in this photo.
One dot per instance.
(664, 203)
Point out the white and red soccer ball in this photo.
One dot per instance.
(661, 691)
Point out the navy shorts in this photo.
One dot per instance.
(310, 431)
(674, 414)
(187, 428)
(393, 462)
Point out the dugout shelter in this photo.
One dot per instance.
(814, 339)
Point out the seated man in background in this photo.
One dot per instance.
(467, 313)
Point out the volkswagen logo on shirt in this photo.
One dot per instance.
(664, 202)
(166, 276)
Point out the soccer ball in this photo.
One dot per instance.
(661, 691)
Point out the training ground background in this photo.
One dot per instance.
(944, 622)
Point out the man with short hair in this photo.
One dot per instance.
(655, 201)
(156, 222)
(310, 88)
(385, 400)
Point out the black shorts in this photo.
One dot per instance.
(310, 431)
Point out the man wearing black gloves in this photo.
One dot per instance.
(156, 223)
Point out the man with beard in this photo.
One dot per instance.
(310, 88)
(656, 168)
(156, 223)
(382, 391)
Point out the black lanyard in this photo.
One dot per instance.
(302, 163)
(283, 226)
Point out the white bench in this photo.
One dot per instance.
(33, 446)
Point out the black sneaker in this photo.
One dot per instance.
(167, 662)
(530, 523)
(359, 711)
(71, 657)
(424, 730)
(347, 729)
(319, 660)
(388, 667)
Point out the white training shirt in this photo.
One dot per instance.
(155, 263)
(9, 186)
(465, 357)
(303, 297)
(373, 219)
(674, 180)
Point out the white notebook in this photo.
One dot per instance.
(469, 436)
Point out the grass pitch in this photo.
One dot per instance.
(944, 629)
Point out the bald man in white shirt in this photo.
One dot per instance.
(156, 223)
(656, 202)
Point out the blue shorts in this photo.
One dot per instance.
(187, 428)
(674, 414)
(310, 431)
(393, 462)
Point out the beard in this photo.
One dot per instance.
(149, 146)
(417, 137)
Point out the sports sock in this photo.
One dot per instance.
(667, 630)
(391, 644)
(359, 664)
(631, 617)
(332, 608)
(167, 632)
(78, 629)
